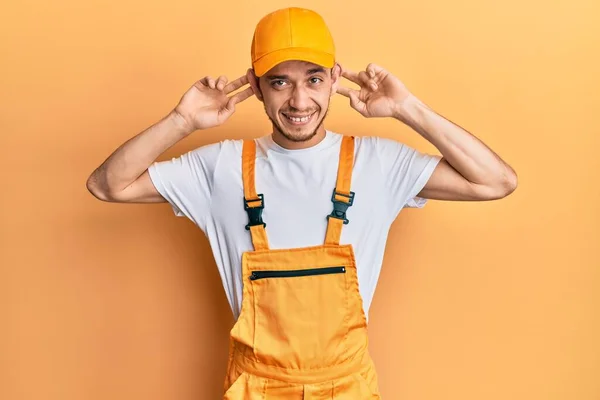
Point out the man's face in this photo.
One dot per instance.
(296, 96)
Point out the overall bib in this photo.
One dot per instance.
(302, 331)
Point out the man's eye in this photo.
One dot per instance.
(278, 83)
(315, 79)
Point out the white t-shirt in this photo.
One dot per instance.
(206, 186)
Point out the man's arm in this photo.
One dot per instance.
(123, 177)
(469, 170)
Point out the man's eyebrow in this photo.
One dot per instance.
(315, 70)
(309, 72)
(273, 77)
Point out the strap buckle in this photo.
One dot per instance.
(340, 207)
(255, 213)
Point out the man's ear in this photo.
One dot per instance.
(253, 81)
(336, 77)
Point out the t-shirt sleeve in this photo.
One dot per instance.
(406, 171)
(186, 182)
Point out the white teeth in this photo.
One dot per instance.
(301, 119)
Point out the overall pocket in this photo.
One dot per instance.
(300, 316)
(295, 273)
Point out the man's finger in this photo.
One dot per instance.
(241, 96)
(354, 96)
(374, 69)
(221, 82)
(366, 81)
(344, 91)
(234, 85)
(351, 76)
(357, 103)
(210, 82)
(203, 81)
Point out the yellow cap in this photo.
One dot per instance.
(291, 34)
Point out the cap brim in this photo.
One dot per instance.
(268, 61)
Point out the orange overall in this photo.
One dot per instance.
(302, 331)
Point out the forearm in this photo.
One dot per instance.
(133, 157)
(468, 155)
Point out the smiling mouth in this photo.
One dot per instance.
(299, 120)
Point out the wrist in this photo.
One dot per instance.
(180, 124)
(410, 110)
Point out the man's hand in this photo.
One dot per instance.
(381, 94)
(206, 104)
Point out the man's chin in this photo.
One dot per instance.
(296, 134)
(303, 135)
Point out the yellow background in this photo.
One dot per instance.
(489, 301)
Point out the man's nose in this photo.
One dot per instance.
(300, 99)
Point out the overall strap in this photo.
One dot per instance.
(253, 203)
(342, 197)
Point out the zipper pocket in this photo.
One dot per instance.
(298, 272)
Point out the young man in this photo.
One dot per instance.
(300, 293)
